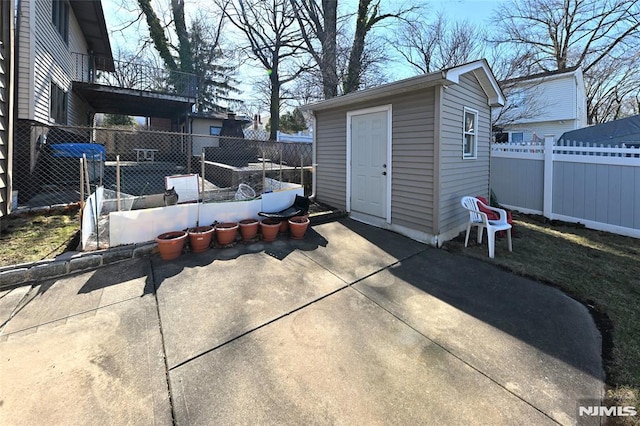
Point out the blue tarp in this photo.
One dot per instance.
(93, 151)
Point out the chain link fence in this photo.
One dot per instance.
(63, 164)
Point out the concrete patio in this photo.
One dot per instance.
(353, 325)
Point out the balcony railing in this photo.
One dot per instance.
(129, 75)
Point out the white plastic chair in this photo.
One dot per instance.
(481, 221)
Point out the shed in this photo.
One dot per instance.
(400, 156)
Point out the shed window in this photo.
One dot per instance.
(60, 18)
(215, 130)
(470, 134)
(58, 107)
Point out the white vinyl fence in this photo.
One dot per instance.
(598, 186)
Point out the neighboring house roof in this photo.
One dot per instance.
(611, 133)
(479, 68)
(90, 16)
(208, 115)
(219, 116)
(542, 75)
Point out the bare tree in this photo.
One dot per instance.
(431, 46)
(318, 24)
(368, 15)
(613, 87)
(567, 33)
(160, 40)
(523, 100)
(523, 103)
(274, 40)
(195, 51)
(561, 34)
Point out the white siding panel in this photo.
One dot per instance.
(555, 128)
(553, 99)
(54, 63)
(458, 176)
(25, 76)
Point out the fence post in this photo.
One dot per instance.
(118, 203)
(547, 205)
(81, 183)
(202, 170)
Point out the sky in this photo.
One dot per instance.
(117, 15)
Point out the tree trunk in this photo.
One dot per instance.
(274, 105)
(354, 70)
(184, 44)
(157, 34)
(329, 51)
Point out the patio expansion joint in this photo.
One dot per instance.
(449, 351)
(279, 317)
(269, 322)
(163, 342)
(19, 306)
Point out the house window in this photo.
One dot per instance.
(516, 137)
(215, 130)
(60, 18)
(58, 108)
(470, 134)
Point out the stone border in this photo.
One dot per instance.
(72, 262)
(54, 208)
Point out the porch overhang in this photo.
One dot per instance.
(90, 17)
(117, 100)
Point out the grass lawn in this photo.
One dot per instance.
(599, 269)
(29, 238)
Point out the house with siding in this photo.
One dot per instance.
(6, 105)
(52, 37)
(66, 74)
(401, 156)
(548, 103)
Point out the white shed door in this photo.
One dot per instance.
(369, 163)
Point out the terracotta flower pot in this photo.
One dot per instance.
(170, 244)
(200, 238)
(249, 229)
(298, 227)
(269, 229)
(226, 232)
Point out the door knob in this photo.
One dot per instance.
(384, 165)
(384, 173)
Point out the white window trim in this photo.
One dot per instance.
(474, 154)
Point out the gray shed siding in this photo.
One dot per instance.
(412, 177)
(331, 157)
(458, 176)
